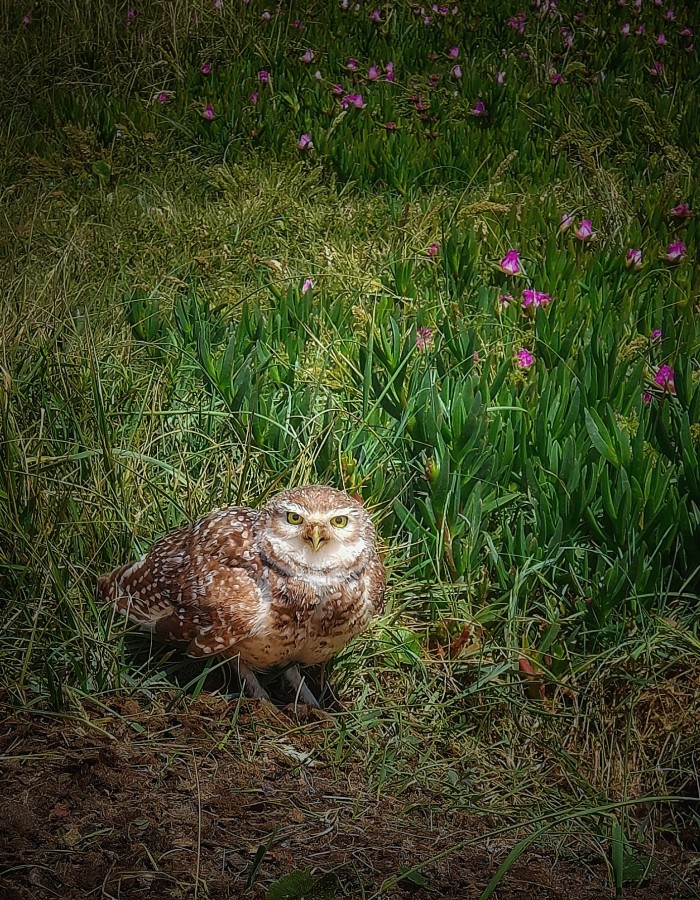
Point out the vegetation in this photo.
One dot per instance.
(442, 258)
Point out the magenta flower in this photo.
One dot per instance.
(567, 220)
(424, 338)
(307, 285)
(355, 100)
(208, 112)
(218, 4)
(501, 77)
(317, 75)
(556, 78)
(337, 89)
(351, 65)
(504, 300)
(433, 249)
(254, 97)
(665, 378)
(510, 264)
(265, 16)
(376, 16)
(206, 69)
(307, 57)
(660, 39)
(305, 142)
(640, 29)
(585, 232)
(535, 298)
(626, 28)
(263, 76)
(681, 211)
(26, 19)
(479, 109)
(634, 259)
(657, 68)
(525, 358)
(457, 71)
(656, 334)
(130, 14)
(389, 69)
(646, 398)
(163, 97)
(297, 24)
(686, 32)
(454, 52)
(670, 15)
(676, 251)
(373, 73)
(517, 22)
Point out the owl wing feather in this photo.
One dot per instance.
(194, 586)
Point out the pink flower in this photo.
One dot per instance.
(661, 39)
(390, 126)
(454, 52)
(457, 71)
(640, 29)
(664, 378)
(517, 22)
(26, 19)
(163, 97)
(656, 334)
(504, 300)
(501, 77)
(265, 16)
(206, 69)
(479, 109)
(681, 211)
(130, 14)
(218, 4)
(585, 232)
(376, 16)
(351, 65)
(525, 358)
(634, 259)
(556, 78)
(535, 298)
(317, 75)
(208, 112)
(305, 142)
(676, 251)
(297, 24)
(373, 73)
(337, 89)
(433, 249)
(670, 15)
(566, 222)
(307, 57)
(263, 76)
(510, 264)
(625, 28)
(657, 69)
(686, 32)
(424, 338)
(353, 100)
(307, 285)
(254, 97)
(646, 398)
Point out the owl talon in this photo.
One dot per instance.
(249, 683)
(298, 682)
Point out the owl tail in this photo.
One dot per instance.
(107, 584)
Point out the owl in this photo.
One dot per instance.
(289, 584)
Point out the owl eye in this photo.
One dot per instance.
(339, 521)
(294, 518)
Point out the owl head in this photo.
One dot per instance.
(317, 529)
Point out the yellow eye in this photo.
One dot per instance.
(339, 521)
(294, 518)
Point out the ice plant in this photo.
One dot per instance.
(433, 249)
(351, 65)
(500, 77)
(646, 398)
(656, 334)
(457, 71)
(263, 76)
(567, 220)
(661, 39)
(479, 109)
(626, 28)
(308, 56)
(525, 358)
(337, 89)
(254, 97)
(376, 16)
(535, 298)
(265, 16)
(307, 285)
(424, 338)
(510, 264)
(355, 100)
(657, 68)
(372, 73)
(208, 112)
(681, 211)
(454, 52)
(206, 69)
(634, 259)
(675, 251)
(163, 97)
(504, 300)
(665, 378)
(556, 78)
(305, 142)
(585, 232)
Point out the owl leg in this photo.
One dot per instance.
(249, 683)
(296, 679)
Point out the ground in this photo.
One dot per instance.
(156, 803)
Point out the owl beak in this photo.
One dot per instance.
(317, 537)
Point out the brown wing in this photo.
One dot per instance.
(375, 574)
(196, 585)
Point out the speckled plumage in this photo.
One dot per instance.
(253, 583)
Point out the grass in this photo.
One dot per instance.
(538, 661)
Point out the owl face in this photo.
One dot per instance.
(317, 529)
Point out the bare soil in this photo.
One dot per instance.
(130, 803)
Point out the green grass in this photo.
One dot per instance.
(159, 358)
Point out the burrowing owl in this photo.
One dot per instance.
(291, 583)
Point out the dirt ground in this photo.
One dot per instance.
(132, 804)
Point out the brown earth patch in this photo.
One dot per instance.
(129, 803)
